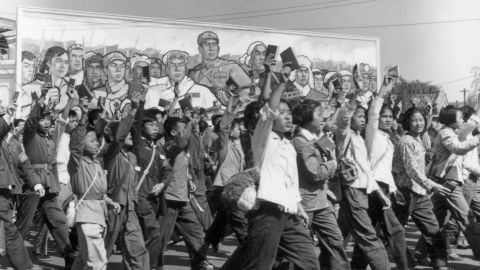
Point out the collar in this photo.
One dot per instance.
(9, 137)
(308, 135)
(89, 160)
(303, 89)
(117, 87)
(277, 138)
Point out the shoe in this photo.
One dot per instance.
(455, 257)
(422, 261)
(42, 257)
(205, 265)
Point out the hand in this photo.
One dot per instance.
(83, 106)
(157, 189)
(117, 208)
(193, 187)
(384, 199)
(269, 62)
(386, 90)
(330, 154)
(440, 190)
(11, 110)
(301, 213)
(39, 190)
(137, 97)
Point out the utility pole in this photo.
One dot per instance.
(464, 96)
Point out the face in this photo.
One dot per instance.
(94, 73)
(318, 119)
(235, 132)
(179, 130)
(366, 81)
(44, 125)
(150, 129)
(258, 57)
(76, 60)
(417, 123)
(92, 146)
(301, 76)
(176, 69)
(318, 82)
(459, 120)
(347, 83)
(19, 129)
(358, 120)
(51, 130)
(129, 140)
(28, 68)
(115, 71)
(373, 85)
(155, 70)
(59, 66)
(386, 119)
(209, 50)
(283, 123)
(72, 123)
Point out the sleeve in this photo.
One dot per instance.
(166, 175)
(76, 148)
(372, 125)
(450, 141)
(28, 174)
(60, 127)
(413, 169)
(137, 131)
(31, 124)
(261, 133)
(470, 162)
(318, 169)
(4, 128)
(343, 126)
(122, 132)
(222, 140)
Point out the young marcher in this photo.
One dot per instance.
(353, 214)
(316, 166)
(413, 183)
(380, 149)
(122, 177)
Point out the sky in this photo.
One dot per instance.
(430, 40)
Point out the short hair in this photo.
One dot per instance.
(28, 55)
(156, 60)
(202, 125)
(171, 124)
(408, 115)
(16, 122)
(303, 113)
(386, 107)
(112, 127)
(93, 115)
(448, 115)
(467, 112)
(150, 115)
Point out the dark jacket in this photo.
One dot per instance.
(314, 171)
(7, 170)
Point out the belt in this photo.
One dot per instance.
(47, 167)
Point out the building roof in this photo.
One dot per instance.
(421, 100)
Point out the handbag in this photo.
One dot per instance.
(347, 168)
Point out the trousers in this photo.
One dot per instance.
(93, 255)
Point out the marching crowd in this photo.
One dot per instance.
(116, 160)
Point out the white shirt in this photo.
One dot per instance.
(63, 156)
(201, 95)
(471, 163)
(380, 147)
(357, 151)
(277, 160)
(78, 78)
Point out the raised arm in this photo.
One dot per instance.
(31, 125)
(450, 140)
(76, 145)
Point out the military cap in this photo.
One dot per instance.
(174, 54)
(112, 56)
(96, 58)
(205, 36)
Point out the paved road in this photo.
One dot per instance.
(177, 258)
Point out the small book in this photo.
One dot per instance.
(289, 58)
